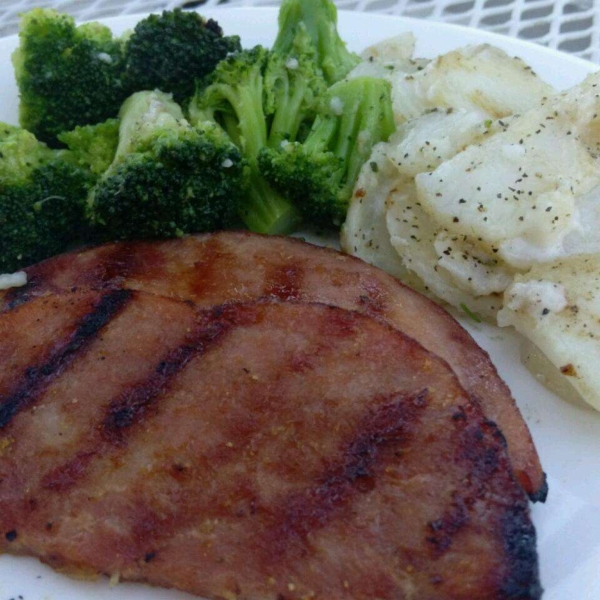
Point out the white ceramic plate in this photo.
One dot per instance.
(567, 437)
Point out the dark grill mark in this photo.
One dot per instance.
(442, 530)
(388, 426)
(112, 267)
(483, 447)
(36, 378)
(285, 282)
(519, 536)
(541, 493)
(128, 264)
(485, 457)
(14, 297)
(11, 535)
(133, 404)
(213, 261)
(63, 477)
(130, 407)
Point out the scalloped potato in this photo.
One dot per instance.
(515, 195)
(486, 197)
(479, 77)
(389, 58)
(557, 307)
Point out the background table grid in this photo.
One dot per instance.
(568, 25)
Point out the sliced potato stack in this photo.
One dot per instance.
(489, 183)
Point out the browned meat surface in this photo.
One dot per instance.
(260, 451)
(224, 267)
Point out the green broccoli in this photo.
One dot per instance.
(67, 75)
(42, 199)
(319, 19)
(93, 146)
(169, 51)
(319, 174)
(167, 178)
(294, 85)
(234, 97)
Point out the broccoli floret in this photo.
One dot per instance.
(93, 146)
(71, 76)
(294, 85)
(319, 174)
(167, 178)
(67, 75)
(169, 51)
(319, 19)
(42, 199)
(234, 97)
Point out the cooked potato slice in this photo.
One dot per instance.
(408, 152)
(422, 144)
(557, 307)
(414, 235)
(475, 77)
(516, 192)
(364, 233)
(389, 59)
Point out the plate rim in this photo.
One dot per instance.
(460, 35)
(419, 23)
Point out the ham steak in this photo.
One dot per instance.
(261, 450)
(224, 267)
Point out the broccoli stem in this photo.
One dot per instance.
(230, 125)
(367, 114)
(349, 130)
(247, 104)
(266, 211)
(234, 98)
(320, 172)
(321, 134)
(376, 123)
(288, 116)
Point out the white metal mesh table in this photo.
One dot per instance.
(569, 25)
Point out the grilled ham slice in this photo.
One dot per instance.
(218, 268)
(257, 451)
